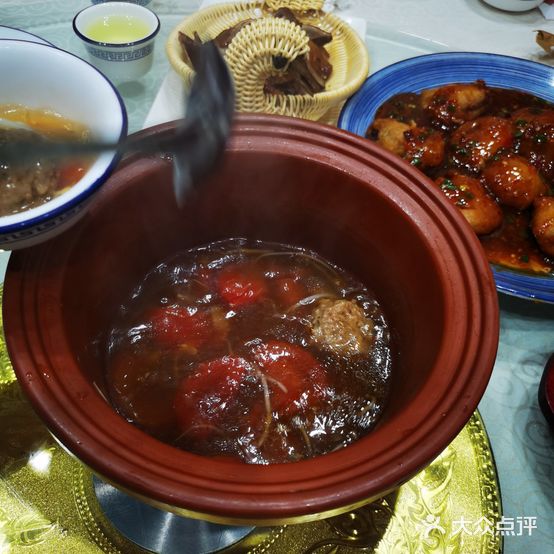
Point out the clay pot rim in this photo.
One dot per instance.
(225, 490)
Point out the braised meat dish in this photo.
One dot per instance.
(491, 152)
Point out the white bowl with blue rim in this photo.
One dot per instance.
(45, 77)
(432, 70)
(119, 38)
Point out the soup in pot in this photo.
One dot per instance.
(258, 351)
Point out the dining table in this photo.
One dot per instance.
(521, 441)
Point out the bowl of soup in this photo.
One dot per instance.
(58, 97)
(311, 329)
(481, 126)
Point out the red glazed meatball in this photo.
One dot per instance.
(514, 181)
(542, 223)
(475, 142)
(536, 117)
(470, 196)
(452, 105)
(390, 134)
(534, 138)
(424, 147)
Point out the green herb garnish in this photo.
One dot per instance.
(447, 184)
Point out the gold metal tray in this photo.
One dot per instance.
(47, 501)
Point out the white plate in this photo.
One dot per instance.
(18, 34)
(385, 46)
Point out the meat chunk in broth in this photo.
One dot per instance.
(341, 327)
(22, 186)
(29, 185)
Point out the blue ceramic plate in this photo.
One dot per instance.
(433, 70)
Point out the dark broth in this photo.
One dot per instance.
(219, 351)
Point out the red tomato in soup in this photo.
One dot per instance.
(241, 286)
(205, 398)
(178, 325)
(288, 291)
(296, 380)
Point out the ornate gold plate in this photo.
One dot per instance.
(47, 502)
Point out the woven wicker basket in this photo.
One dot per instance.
(251, 51)
(297, 5)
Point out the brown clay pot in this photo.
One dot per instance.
(280, 180)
